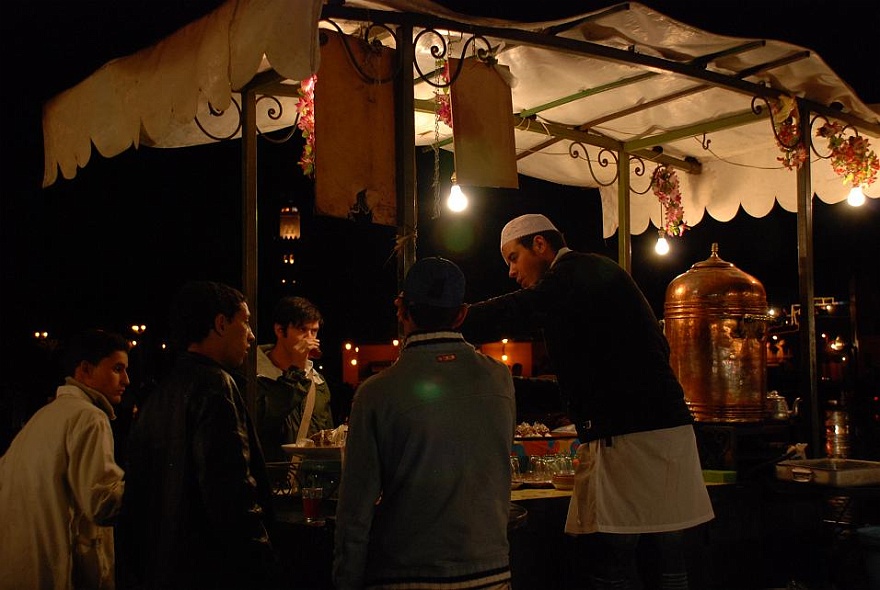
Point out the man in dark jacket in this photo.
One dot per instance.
(197, 503)
(639, 470)
(287, 377)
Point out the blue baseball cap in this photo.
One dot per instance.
(434, 281)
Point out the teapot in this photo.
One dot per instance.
(777, 406)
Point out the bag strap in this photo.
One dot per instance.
(307, 413)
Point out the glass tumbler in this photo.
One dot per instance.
(311, 499)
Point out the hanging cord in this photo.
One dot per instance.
(435, 212)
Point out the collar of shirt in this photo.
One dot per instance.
(96, 396)
(562, 252)
(422, 338)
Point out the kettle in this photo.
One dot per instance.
(777, 406)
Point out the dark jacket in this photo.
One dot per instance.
(609, 352)
(197, 505)
(281, 403)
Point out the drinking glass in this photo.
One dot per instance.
(537, 469)
(311, 499)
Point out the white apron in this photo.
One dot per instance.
(645, 482)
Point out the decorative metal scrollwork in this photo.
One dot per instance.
(218, 113)
(576, 148)
(758, 109)
(638, 170)
(440, 52)
(275, 111)
(844, 129)
(275, 115)
(372, 41)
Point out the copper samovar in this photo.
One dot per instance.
(715, 319)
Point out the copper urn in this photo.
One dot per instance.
(715, 318)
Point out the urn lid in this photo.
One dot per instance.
(716, 281)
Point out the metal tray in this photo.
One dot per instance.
(830, 472)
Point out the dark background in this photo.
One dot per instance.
(110, 247)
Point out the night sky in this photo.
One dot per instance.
(111, 247)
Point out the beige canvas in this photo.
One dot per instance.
(354, 133)
(482, 120)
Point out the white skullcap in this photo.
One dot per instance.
(525, 225)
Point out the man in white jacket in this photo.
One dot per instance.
(59, 483)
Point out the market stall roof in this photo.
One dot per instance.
(626, 79)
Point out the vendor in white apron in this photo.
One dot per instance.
(639, 472)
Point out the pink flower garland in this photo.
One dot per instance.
(851, 157)
(305, 107)
(444, 103)
(785, 119)
(664, 183)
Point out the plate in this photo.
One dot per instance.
(532, 483)
(325, 453)
(550, 436)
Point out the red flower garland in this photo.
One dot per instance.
(444, 103)
(851, 157)
(305, 107)
(664, 183)
(785, 119)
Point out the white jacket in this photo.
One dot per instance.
(59, 484)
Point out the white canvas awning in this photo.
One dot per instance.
(623, 81)
(627, 76)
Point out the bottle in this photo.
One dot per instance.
(836, 431)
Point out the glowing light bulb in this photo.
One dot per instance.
(457, 201)
(662, 246)
(856, 197)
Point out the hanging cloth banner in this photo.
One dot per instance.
(354, 132)
(482, 125)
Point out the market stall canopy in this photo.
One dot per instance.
(623, 80)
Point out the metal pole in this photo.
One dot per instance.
(249, 229)
(624, 240)
(404, 134)
(809, 373)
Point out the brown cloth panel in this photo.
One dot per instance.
(482, 119)
(354, 133)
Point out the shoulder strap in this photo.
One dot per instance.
(307, 413)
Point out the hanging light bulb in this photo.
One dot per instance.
(662, 246)
(856, 197)
(457, 201)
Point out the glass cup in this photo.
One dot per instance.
(538, 469)
(311, 499)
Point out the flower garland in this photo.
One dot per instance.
(851, 157)
(305, 108)
(785, 120)
(664, 183)
(444, 102)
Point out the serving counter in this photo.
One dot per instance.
(766, 533)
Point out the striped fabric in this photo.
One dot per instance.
(498, 579)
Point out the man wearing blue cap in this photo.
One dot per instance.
(639, 473)
(424, 498)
